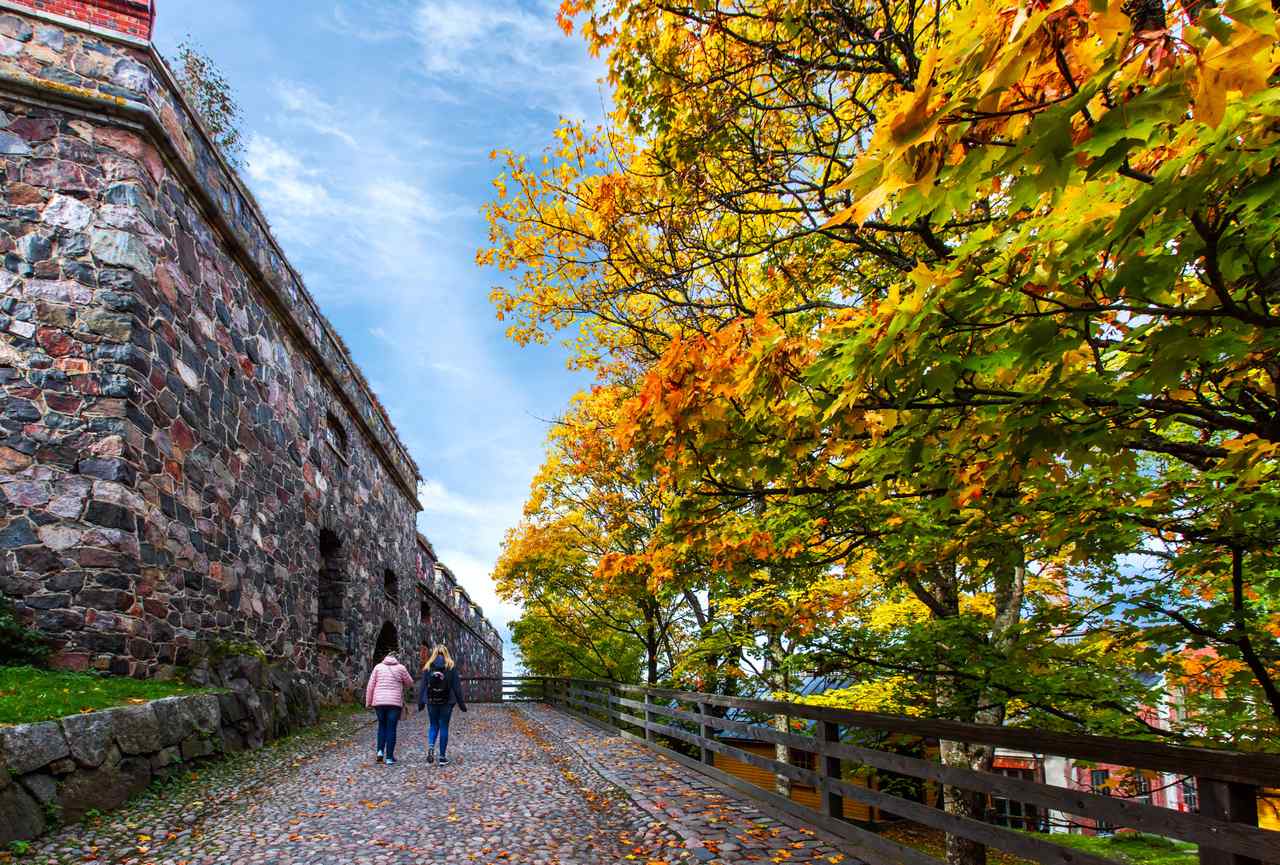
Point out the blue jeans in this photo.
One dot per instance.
(439, 716)
(388, 720)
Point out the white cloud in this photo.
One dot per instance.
(435, 498)
(513, 51)
(308, 109)
(287, 188)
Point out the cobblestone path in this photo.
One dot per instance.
(716, 825)
(527, 785)
(509, 796)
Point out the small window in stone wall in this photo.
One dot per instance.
(331, 592)
(335, 435)
(424, 611)
(391, 584)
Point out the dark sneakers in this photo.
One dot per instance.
(431, 756)
(444, 761)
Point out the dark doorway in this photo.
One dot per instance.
(388, 642)
(331, 592)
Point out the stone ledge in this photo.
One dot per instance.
(60, 770)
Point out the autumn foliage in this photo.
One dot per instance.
(937, 354)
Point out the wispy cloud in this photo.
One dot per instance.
(511, 50)
(436, 498)
(291, 192)
(310, 110)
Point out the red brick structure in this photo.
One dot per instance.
(131, 17)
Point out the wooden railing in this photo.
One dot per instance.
(685, 726)
(505, 689)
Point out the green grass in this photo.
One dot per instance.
(28, 694)
(1133, 848)
(1126, 849)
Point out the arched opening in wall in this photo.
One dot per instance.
(387, 643)
(331, 593)
(391, 585)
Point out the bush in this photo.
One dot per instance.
(19, 645)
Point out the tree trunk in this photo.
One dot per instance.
(650, 645)
(984, 707)
(965, 803)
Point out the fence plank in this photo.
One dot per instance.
(1237, 803)
(1026, 845)
(1235, 766)
(1205, 829)
(1226, 829)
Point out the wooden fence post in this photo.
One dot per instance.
(831, 768)
(708, 733)
(1235, 803)
(648, 716)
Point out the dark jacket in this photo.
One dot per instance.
(452, 682)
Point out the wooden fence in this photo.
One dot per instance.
(692, 727)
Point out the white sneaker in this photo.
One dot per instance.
(391, 761)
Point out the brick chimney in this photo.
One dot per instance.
(131, 17)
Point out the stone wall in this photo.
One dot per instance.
(188, 454)
(450, 617)
(59, 770)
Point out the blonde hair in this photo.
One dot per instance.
(440, 650)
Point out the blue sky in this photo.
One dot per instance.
(369, 125)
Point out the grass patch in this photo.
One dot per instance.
(1134, 848)
(28, 694)
(1126, 849)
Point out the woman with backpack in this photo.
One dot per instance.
(440, 691)
(385, 693)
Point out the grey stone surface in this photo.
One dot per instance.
(126, 250)
(207, 712)
(21, 817)
(13, 145)
(43, 788)
(137, 730)
(89, 737)
(95, 790)
(176, 718)
(197, 745)
(28, 747)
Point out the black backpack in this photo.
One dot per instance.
(437, 687)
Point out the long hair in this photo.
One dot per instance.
(440, 650)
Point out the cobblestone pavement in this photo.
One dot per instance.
(527, 785)
(716, 825)
(509, 796)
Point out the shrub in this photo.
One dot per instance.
(19, 645)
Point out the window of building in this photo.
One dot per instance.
(424, 612)
(391, 584)
(803, 760)
(1190, 795)
(1142, 789)
(335, 435)
(1098, 781)
(1011, 814)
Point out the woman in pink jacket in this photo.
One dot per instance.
(385, 693)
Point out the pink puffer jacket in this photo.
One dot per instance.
(387, 683)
